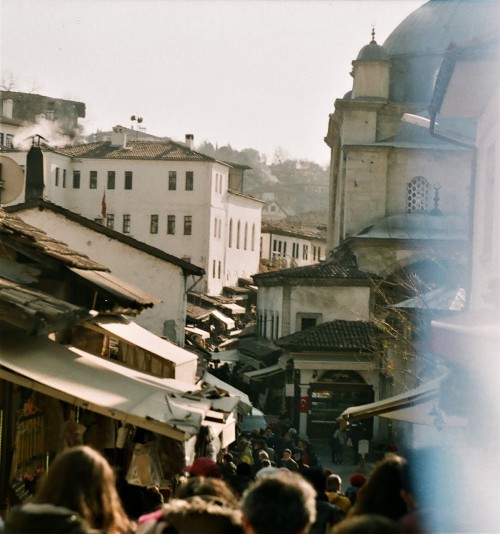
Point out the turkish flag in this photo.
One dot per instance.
(103, 205)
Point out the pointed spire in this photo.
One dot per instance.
(373, 36)
(436, 210)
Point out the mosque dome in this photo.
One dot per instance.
(417, 45)
(373, 52)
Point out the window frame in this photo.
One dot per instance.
(172, 180)
(188, 225)
(93, 179)
(126, 223)
(111, 182)
(189, 184)
(154, 223)
(128, 181)
(170, 224)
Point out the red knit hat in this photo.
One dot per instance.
(205, 467)
(357, 480)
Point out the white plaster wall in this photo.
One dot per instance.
(270, 303)
(242, 262)
(332, 302)
(156, 277)
(371, 79)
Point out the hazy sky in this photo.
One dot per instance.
(252, 73)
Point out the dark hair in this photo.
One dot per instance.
(283, 503)
(316, 477)
(381, 493)
(82, 480)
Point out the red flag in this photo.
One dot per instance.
(103, 205)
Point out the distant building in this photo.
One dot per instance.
(164, 194)
(56, 117)
(289, 245)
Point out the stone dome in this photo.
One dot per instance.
(417, 45)
(373, 52)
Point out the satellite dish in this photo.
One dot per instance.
(11, 180)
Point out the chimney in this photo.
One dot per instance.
(190, 141)
(7, 106)
(118, 137)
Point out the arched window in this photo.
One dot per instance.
(246, 237)
(253, 237)
(418, 195)
(230, 233)
(238, 228)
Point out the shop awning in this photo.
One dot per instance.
(164, 406)
(244, 404)
(234, 308)
(263, 373)
(185, 362)
(223, 318)
(116, 287)
(226, 356)
(419, 406)
(197, 332)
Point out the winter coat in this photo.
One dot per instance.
(33, 518)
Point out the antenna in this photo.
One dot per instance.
(11, 180)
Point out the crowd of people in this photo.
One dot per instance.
(268, 485)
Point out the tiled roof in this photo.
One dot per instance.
(140, 150)
(334, 336)
(16, 233)
(326, 270)
(186, 266)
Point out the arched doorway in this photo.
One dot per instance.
(334, 392)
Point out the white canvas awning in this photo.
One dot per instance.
(197, 332)
(183, 361)
(244, 404)
(223, 318)
(234, 308)
(164, 406)
(262, 373)
(419, 406)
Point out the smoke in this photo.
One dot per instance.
(51, 131)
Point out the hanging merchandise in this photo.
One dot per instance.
(30, 458)
(145, 468)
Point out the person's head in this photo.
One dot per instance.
(228, 458)
(263, 455)
(316, 477)
(243, 469)
(82, 480)
(265, 462)
(282, 503)
(287, 454)
(381, 493)
(212, 489)
(333, 483)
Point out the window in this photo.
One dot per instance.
(126, 224)
(230, 242)
(93, 180)
(319, 254)
(111, 179)
(284, 248)
(172, 180)
(189, 180)
(76, 179)
(171, 224)
(128, 179)
(9, 139)
(213, 268)
(64, 178)
(307, 320)
(418, 193)
(275, 245)
(238, 228)
(153, 224)
(110, 221)
(188, 224)
(277, 325)
(215, 227)
(218, 270)
(245, 239)
(305, 252)
(57, 176)
(253, 238)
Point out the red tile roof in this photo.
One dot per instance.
(140, 150)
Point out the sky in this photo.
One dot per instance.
(260, 74)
